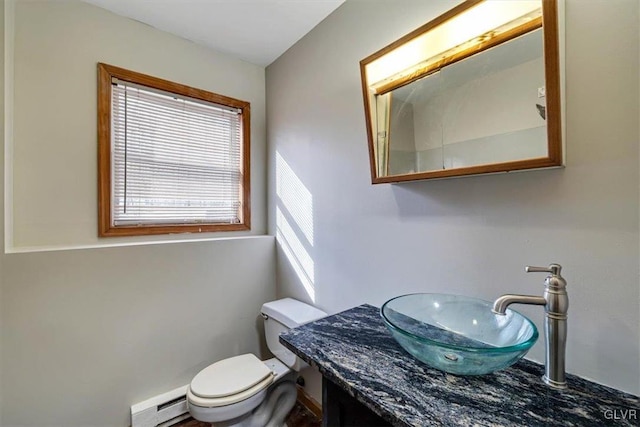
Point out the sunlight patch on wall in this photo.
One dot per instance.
(295, 252)
(295, 197)
(294, 224)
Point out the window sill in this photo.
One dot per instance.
(55, 248)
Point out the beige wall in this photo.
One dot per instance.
(472, 235)
(57, 47)
(87, 333)
(2, 128)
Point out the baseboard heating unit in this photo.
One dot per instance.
(163, 410)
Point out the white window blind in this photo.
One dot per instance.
(174, 160)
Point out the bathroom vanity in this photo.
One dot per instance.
(369, 380)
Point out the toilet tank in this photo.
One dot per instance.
(282, 315)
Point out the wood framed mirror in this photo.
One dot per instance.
(474, 91)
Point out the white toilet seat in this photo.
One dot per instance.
(229, 381)
(228, 400)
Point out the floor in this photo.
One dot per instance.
(299, 416)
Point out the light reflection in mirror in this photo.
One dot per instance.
(484, 109)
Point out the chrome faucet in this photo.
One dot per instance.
(556, 305)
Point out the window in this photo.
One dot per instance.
(171, 158)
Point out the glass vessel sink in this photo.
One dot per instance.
(458, 334)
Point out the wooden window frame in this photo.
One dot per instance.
(106, 228)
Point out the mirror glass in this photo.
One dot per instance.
(482, 105)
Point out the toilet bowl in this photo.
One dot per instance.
(243, 391)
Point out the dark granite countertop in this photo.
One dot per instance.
(354, 350)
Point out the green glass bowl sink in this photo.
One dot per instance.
(458, 334)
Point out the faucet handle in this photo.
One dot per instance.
(554, 280)
(554, 269)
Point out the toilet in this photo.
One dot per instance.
(243, 391)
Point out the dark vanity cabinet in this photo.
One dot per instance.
(341, 409)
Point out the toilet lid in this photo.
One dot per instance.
(230, 376)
